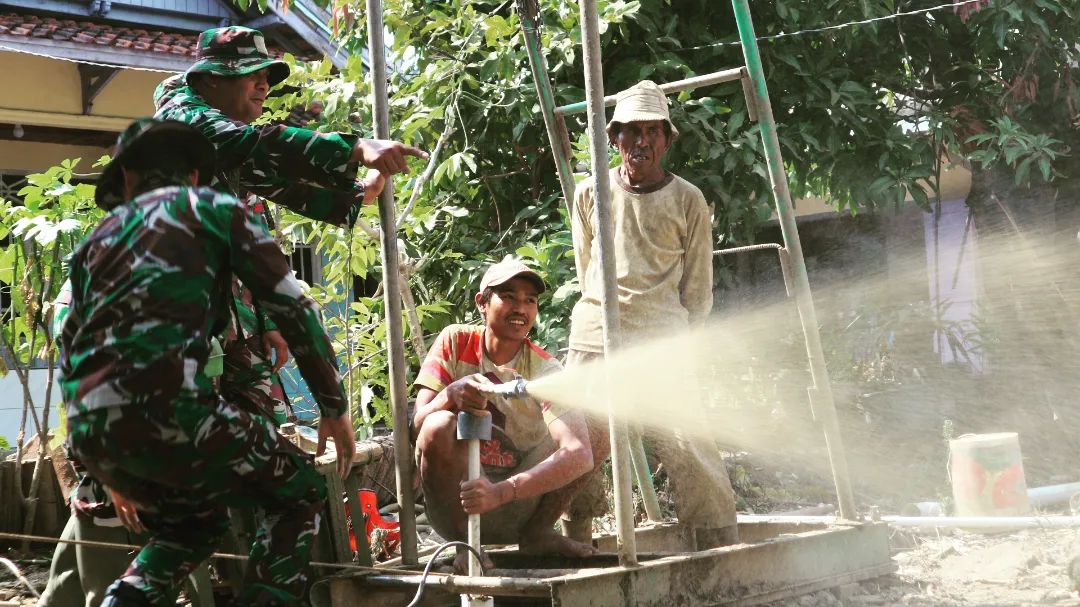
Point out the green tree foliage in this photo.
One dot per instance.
(39, 231)
(865, 113)
(54, 214)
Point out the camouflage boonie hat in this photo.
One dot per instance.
(236, 51)
(140, 139)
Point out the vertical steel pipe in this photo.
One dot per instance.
(556, 129)
(605, 256)
(822, 401)
(391, 260)
(528, 11)
(474, 519)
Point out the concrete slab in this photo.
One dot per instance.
(778, 560)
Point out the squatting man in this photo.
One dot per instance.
(539, 454)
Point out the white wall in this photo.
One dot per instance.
(11, 402)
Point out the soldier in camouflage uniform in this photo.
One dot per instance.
(79, 575)
(309, 172)
(150, 286)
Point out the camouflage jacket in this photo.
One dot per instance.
(152, 284)
(306, 171)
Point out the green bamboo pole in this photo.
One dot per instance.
(643, 478)
(821, 397)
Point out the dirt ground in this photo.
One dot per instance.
(948, 570)
(968, 570)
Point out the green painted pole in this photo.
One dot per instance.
(821, 397)
(556, 128)
(643, 478)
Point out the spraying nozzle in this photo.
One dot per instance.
(515, 388)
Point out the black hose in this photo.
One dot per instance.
(427, 568)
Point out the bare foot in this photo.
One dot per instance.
(461, 561)
(553, 543)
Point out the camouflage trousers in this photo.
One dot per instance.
(248, 378)
(184, 463)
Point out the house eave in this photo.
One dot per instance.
(81, 53)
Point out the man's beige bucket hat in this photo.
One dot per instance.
(641, 102)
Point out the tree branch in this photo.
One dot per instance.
(422, 180)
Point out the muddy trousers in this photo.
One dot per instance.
(80, 575)
(186, 461)
(700, 485)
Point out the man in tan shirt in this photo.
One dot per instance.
(663, 257)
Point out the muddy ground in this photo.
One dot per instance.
(967, 570)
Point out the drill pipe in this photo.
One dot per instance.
(517, 388)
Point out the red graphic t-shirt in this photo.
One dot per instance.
(518, 425)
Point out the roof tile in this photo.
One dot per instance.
(99, 34)
(103, 34)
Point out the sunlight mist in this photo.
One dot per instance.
(908, 371)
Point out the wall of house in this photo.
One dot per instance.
(955, 184)
(52, 86)
(51, 91)
(32, 157)
(12, 402)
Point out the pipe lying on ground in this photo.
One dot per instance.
(988, 523)
(1038, 497)
(819, 510)
(1051, 495)
(999, 523)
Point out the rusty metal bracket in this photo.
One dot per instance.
(748, 95)
(785, 259)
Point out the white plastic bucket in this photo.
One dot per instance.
(988, 475)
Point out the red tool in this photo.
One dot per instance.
(369, 509)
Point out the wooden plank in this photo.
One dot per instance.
(10, 500)
(737, 575)
(774, 569)
(65, 472)
(352, 490)
(335, 518)
(47, 521)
